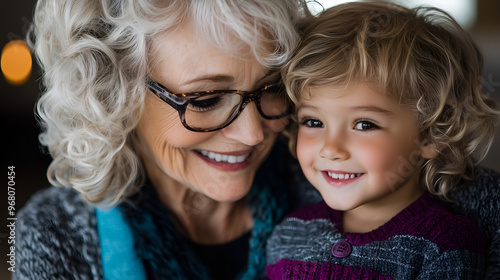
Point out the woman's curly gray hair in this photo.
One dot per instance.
(95, 57)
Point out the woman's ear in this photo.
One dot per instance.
(429, 150)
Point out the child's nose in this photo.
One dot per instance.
(334, 148)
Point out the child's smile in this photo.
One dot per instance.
(340, 178)
(358, 147)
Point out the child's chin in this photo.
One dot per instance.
(339, 205)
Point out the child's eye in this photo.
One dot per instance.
(365, 126)
(310, 122)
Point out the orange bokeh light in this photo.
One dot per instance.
(16, 62)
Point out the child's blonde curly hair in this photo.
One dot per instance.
(420, 57)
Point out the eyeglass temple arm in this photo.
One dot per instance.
(166, 95)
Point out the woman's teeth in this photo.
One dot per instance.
(343, 176)
(224, 158)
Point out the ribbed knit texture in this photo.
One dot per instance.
(56, 232)
(479, 200)
(56, 238)
(424, 240)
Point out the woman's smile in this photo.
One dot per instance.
(226, 161)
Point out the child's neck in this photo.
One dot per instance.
(373, 215)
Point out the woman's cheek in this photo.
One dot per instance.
(161, 126)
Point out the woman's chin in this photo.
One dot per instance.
(228, 195)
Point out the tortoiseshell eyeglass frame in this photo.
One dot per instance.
(180, 101)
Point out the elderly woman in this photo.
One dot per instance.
(162, 118)
(180, 97)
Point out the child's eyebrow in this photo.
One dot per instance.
(374, 109)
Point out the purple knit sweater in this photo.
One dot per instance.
(424, 241)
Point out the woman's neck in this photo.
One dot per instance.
(198, 217)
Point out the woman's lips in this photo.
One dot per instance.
(226, 161)
(340, 178)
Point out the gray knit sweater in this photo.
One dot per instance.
(57, 232)
(424, 241)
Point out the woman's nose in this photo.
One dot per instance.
(334, 147)
(247, 127)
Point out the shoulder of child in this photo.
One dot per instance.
(479, 200)
(448, 231)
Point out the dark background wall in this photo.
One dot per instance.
(20, 130)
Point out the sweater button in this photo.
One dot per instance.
(341, 249)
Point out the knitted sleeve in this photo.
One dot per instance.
(454, 265)
(461, 246)
(57, 238)
(479, 200)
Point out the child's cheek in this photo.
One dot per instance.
(308, 147)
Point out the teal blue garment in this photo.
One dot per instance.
(157, 246)
(119, 259)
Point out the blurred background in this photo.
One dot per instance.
(20, 87)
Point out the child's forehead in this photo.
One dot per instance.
(335, 90)
(361, 92)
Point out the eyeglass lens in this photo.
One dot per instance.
(215, 110)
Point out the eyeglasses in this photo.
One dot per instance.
(212, 110)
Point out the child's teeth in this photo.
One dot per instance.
(343, 176)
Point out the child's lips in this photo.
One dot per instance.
(340, 178)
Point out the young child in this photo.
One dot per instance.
(389, 113)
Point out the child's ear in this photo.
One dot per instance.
(429, 150)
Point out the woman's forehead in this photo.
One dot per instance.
(183, 58)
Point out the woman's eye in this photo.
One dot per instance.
(204, 103)
(365, 125)
(311, 123)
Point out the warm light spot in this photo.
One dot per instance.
(16, 62)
